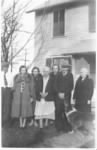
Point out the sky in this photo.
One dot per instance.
(28, 24)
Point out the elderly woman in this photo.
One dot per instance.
(24, 94)
(83, 91)
(45, 107)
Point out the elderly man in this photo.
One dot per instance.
(6, 85)
(83, 91)
(64, 85)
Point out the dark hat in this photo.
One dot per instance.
(66, 66)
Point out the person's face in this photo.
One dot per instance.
(64, 71)
(83, 73)
(55, 69)
(45, 73)
(5, 69)
(35, 72)
(23, 70)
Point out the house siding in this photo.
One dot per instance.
(76, 31)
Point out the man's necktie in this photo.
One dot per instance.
(5, 80)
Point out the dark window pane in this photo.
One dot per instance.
(62, 22)
(56, 16)
(58, 28)
(48, 62)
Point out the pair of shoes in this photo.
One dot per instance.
(31, 123)
(71, 132)
(35, 124)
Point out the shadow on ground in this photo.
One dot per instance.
(83, 136)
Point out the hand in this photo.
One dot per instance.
(89, 102)
(43, 95)
(46, 94)
(42, 101)
(65, 104)
(73, 102)
(61, 95)
(31, 100)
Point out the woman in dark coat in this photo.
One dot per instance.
(24, 94)
(38, 80)
(83, 92)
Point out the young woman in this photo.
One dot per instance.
(24, 94)
(38, 80)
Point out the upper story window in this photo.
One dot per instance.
(58, 23)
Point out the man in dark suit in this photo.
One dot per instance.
(64, 86)
(54, 75)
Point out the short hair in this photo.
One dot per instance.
(22, 67)
(46, 68)
(37, 68)
(85, 70)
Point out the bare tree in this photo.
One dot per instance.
(41, 36)
(9, 25)
(10, 30)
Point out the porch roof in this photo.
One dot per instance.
(53, 3)
(84, 46)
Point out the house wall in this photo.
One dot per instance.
(76, 28)
(76, 31)
(77, 21)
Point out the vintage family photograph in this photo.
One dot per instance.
(48, 73)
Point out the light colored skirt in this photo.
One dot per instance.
(45, 110)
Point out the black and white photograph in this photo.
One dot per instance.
(48, 74)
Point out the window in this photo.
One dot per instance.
(58, 25)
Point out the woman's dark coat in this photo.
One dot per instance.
(82, 93)
(38, 80)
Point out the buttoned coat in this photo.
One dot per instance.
(21, 104)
